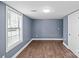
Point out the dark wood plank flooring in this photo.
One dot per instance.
(46, 49)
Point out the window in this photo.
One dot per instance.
(13, 28)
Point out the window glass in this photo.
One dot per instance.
(14, 25)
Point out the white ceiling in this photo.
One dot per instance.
(58, 8)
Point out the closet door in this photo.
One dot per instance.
(76, 27)
(73, 31)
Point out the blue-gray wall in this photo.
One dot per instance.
(65, 30)
(26, 32)
(2, 28)
(47, 28)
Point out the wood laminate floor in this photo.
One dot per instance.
(46, 49)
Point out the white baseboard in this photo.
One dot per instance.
(47, 38)
(76, 53)
(14, 56)
(71, 50)
(41, 39)
(21, 49)
(65, 45)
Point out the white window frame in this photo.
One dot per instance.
(21, 33)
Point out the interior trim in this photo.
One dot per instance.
(14, 56)
(65, 45)
(47, 38)
(71, 50)
(40, 39)
(21, 40)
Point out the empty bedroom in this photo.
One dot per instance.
(39, 29)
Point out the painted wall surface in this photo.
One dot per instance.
(26, 33)
(47, 28)
(2, 28)
(65, 29)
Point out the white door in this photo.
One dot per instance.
(73, 31)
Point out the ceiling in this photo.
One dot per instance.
(34, 9)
